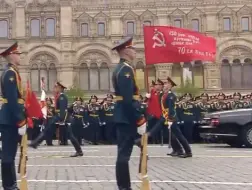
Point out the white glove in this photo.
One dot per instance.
(148, 95)
(22, 130)
(141, 129)
(169, 124)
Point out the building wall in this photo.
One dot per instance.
(70, 40)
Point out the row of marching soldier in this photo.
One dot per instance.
(190, 110)
(92, 122)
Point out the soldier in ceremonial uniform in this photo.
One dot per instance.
(110, 130)
(188, 118)
(94, 110)
(178, 141)
(237, 103)
(61, 117)
(127, 117)
(49, 117)
(12, 116)
(221, 105)
(78, 112)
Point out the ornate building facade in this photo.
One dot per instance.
(70, 40)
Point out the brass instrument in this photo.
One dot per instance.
(22, 163)
(143, 163)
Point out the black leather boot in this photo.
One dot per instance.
(35, 143)
(9, 180)
(77, 154)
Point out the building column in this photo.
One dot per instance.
(212, 76)
(163, 70)
(20, 24)
(66, 71)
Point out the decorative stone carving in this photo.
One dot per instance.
(20, 3)
(93, 57)
(177, 14)
(130, 15)
(5, 7)
(195, 13)
(226, 11)
(236, 52)
(51, 5)
(34, 6)
(43, 58)
(148, 16)
(245, 10)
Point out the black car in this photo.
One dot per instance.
(233, 127)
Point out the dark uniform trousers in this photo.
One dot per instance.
(126, 135)
(178, 140)
(95, 129)
(77, 127)
(50, 124)
(63, 135)
(51, 131)
(9, 150)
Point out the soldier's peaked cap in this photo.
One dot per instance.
(60, 84)
(123, 43)
(204, 94)
(171, 81)
(153, 83)
(78, 99)
(221, 94)
(10, 50)
(110, 96)
(94, 97)
(160, 82)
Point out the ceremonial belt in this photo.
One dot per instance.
(119, 98)
(57, 111)
(19, 100)
(49, 116)
(93, 115)
(78, 116)
(188, 113)
(109, 114)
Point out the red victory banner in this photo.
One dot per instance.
(167, 44)
(32, 106)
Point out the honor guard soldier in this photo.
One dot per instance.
(127, 117)
(12, 115)
(94, 110)
(78, 112)
(203, 106)
(189, 119)
(110, 130)
(61, 118)
(49, 117)
(221, 105)
(237, 102)
(178, 141)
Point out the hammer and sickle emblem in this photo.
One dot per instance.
(159, 40)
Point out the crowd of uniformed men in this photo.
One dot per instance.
(93, 121)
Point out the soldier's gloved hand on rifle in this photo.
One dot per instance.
(22, 130)
(141, 129)
(169, 124)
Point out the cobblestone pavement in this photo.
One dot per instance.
(212, 167)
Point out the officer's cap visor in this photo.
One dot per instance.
(124, 43)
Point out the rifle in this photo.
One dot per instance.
(170, 136)
(143, 163)
(22, 163)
